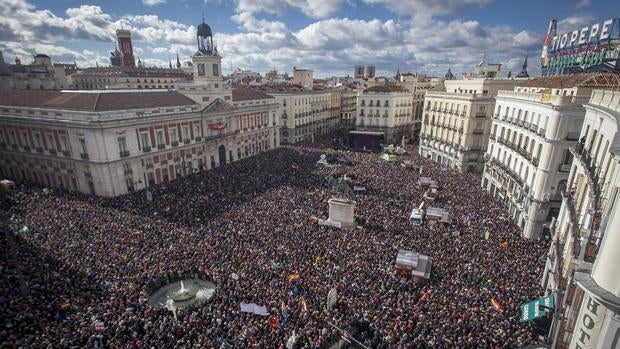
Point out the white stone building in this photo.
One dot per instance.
(306, 115)
(107, 78)
(389, 109)
(40, 75)
(348, 110)
(528, 157)
(457, 122)
(582, 264)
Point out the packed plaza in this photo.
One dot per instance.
(89, 259)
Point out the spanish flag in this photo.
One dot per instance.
(293, 277)
(497, 305)
(504, 245)
(304, 305)
(218, 126)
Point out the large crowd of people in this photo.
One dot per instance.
(87, 265)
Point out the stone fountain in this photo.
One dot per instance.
(181, 294)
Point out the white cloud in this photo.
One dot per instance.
(429, 7)
(153, 2)
(160, 49)
(574, 22)
(328, 46)
(311, 8)
(582, 3)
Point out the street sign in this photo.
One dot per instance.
(531, 310)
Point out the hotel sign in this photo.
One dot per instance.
(591, 48)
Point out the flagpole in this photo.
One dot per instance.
(353, 339)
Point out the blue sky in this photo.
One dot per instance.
(425, 36)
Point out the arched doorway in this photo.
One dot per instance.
(222, 154)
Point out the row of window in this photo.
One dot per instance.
(159, 81)
(51, 143)
(385, 104)
(530, 118)
(453, 107)
(385, 114)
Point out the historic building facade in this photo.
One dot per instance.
(528, 158)
(388, 109)
(306, 115)
(582, 263)
(127, 78)
(457, 121)
(348, 109)
(111, 142)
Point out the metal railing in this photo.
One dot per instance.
(221, 135)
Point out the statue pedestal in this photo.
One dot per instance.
(343, 211)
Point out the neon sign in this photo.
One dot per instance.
(591, 48)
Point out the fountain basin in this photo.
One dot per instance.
(181, 294)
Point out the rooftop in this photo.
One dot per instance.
(599, 79)
(386, 88)
(92, 101)
(248, 94)
(133, 72)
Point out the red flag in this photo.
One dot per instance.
(274, 322)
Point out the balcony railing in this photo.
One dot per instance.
(198, 139)
(572, 216)
(492, 136)
(175, 143)
(26, 148)
(84, 156)
(146, 149)
(535, 161)
(582, 155)
(52, 151)
(124, 153)
(161, 146)
(541, 132)
(564, 168)
(186, 141)
(221, 135)
(481, 115)
(66, 153)
(38, 149)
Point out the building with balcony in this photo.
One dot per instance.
(110, 142)
(306, 115)
(528, 158)
(348, 108)
(582, 263)
(106, 78)
(457, 122)
(389, 109)
(41, 74)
